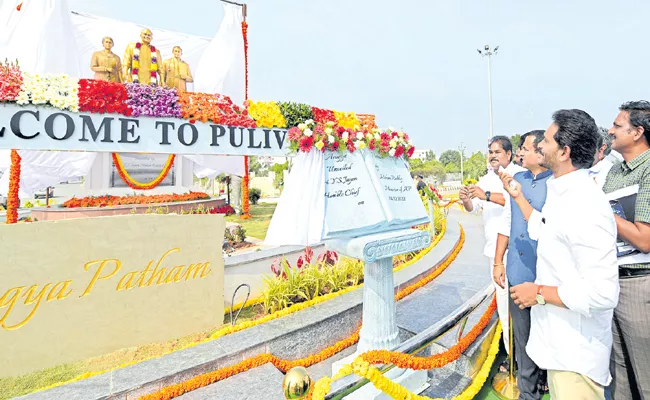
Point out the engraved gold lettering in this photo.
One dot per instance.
(9, 298)
(29, 299)
(141, 282)
(176, 273)
(206, 270)
(102, 264)
(61, 294)
(160, 273)
(127, 284)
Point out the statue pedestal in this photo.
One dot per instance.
(379, 328)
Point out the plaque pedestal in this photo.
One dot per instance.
(379, 328)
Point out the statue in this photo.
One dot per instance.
(176, 72)
(106, 64)
(141, 61)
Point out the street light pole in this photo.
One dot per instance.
(461, 150)
(488, 52)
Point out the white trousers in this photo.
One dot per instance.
(502, 306)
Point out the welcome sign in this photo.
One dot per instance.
(80, 288)
(47, 128)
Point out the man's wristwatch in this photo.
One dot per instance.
(540, 298)
(487, 196)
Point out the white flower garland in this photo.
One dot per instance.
(135, 64)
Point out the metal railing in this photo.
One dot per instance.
(417, 343)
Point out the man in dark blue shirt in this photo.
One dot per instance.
(522, 257)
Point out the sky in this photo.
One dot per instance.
(415, 65)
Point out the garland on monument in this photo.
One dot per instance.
(153, 69)
(132, 183)
(245, 180)
(13, 201)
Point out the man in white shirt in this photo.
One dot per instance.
(576, 289)
(602, 164)
(488, 195)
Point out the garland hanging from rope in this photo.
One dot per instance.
(132, 183)
(13, 201)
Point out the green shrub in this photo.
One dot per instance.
(254, 195)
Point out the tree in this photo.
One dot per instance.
(278, 180)
(451, 167)
(515, 139)
(475, 166)
(429, 156)
(254, 166)
(415, 163)
(449, 157)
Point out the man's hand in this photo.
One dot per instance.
(463, 194)
(524, 295)
(499, 275)
(475, 191)
(510, 184)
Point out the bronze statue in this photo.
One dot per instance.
(141, 61)
(106, 64)
(176, 72)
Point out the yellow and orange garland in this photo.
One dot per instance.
(13, 201)
(132, 183)
(209, 378)
(244, 183)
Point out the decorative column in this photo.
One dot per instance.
(379, 326)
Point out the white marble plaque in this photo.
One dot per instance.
(143, 168)
(352, 206)
(367, 194)
(397, 192)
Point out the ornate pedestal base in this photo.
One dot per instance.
(379, 328)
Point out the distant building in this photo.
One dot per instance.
(421, 154)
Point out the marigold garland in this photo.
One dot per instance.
(396, 391)
(13, 201)
(285, 365)
(244, 191)
(227, 372)
(132, 183)
(110, 201)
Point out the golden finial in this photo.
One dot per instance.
(296, 383)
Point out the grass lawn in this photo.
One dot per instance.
(257, 225)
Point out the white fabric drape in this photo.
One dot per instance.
(221, 68)
(211, 166)
(298, 218)
(40, 169)
(41, 36)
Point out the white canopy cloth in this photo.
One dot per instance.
(41, 36)
(221, 68)
(40, 169)
(211, 166)
(298, 218)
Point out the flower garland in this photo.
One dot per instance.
(329, 136)
(13, 201)
(135, 65)
(11, 79)
(132, 183)
(209, 378)
(103, 97)
(397, 391)
(244, 32)
(244, 191)
(248, 324)
(60, 91)
(109, 201)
